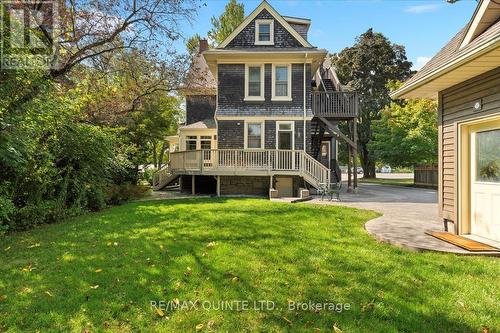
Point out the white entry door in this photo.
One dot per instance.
(485, 180)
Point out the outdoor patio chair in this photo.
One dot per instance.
(330, 189)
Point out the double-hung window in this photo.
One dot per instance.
(254, 135)
(191, 142)
(282, 82)
(264, 32)
(254, 82)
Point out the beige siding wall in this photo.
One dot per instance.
(457, 106)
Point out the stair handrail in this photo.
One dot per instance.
(316, 170)
(161, 174)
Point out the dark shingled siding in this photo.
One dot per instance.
(199, 107)
(246, 38)
(232, 93)
(230, 134)
(301, 29)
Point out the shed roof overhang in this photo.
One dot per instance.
(469, 65)
(231, 56)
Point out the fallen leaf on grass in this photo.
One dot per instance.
(7, 248)
(211, 245)
(160, 312)
(98, 270)
(178, 285)
(3, 298)
(188, 271)
(235, 279)
(287, 320)
(33, 245)
(199, 327)
(94, 287)
(28, 268)
(336, 329)
(49, 293)
(485, 329)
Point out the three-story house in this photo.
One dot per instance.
(262, 113)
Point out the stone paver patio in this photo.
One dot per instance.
(407, 213)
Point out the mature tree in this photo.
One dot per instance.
(90, 29)
(406, 135)
(193, 45)
(234, 14)
(366, 67)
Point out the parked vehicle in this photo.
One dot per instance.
(386, 169)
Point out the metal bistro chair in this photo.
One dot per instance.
(330, 189)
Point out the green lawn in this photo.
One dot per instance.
(100, 272)
(387, 181)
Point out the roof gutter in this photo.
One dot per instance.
(474, 53)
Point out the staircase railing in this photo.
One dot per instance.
(337, 104)
(161, 176)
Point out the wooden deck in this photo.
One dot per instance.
(335, 104)
(249, 163)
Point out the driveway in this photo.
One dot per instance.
(407, 213)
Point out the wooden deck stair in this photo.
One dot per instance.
(163, 177)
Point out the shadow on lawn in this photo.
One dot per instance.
(299, 252)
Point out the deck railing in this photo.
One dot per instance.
(239, 161)
(335, 104)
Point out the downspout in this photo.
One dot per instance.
(305, 61)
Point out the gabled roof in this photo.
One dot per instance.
(486, 14)
(265, 5)
(202, 124)
(456, 62)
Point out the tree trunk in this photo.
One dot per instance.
(155, 156)
(367, 161)
(162, 154)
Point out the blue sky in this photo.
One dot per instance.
(423, 27)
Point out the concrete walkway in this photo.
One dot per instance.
(407, 213)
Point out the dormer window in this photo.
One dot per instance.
(264, 32)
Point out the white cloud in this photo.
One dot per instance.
(419, 9)
(421, 61)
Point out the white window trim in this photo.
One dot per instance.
(262, 79)
(288, 97)
(292, 130)
(271, 32)
(262, 133)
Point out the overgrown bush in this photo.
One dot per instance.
(118, 194)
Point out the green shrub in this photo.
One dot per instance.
(147, 176)
(7, 210)
(118, 194)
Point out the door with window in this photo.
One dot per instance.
(324, 155)
(485, 180)
(285, 145)
(285, 135)
(206, 146)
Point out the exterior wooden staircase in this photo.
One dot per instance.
(163, 177)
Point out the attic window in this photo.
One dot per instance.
(264, 32)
